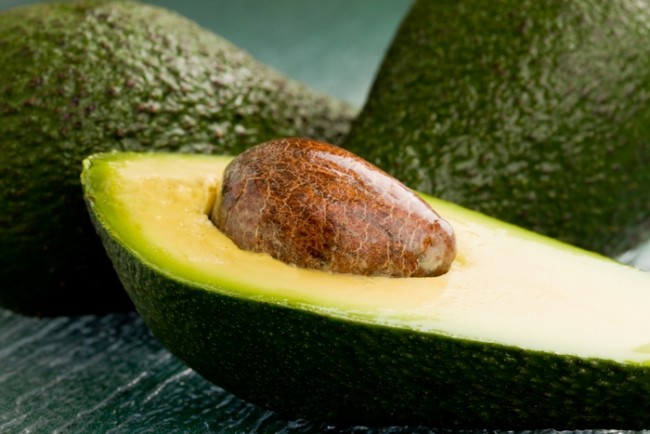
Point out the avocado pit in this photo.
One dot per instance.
(318, 206)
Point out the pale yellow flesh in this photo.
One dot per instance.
(506, 285)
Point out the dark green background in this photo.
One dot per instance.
(108, 374)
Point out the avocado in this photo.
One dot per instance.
(537, 113)
(522, 332)
(89, 76)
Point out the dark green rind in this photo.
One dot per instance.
(535, 112)
(301, 363)
(90, 76)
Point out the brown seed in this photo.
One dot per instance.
(319, 206)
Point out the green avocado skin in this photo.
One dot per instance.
(305, 364)
(535, 112)
(86, 76)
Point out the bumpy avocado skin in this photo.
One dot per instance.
(346, 371)
(537, 113)
(86, 76)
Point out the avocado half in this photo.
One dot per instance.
(522, 332)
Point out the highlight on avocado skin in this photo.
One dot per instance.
(533, 112)
(315, 205)
(86, 76)
(523, 332)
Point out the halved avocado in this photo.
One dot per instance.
(522, 332)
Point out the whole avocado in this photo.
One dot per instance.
(85, 76)
(537, 113)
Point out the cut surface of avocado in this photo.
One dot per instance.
(572, 322)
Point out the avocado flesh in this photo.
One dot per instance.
(522, 332)
(83, 77)
(536, 113)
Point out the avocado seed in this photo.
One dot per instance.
(318, 206)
